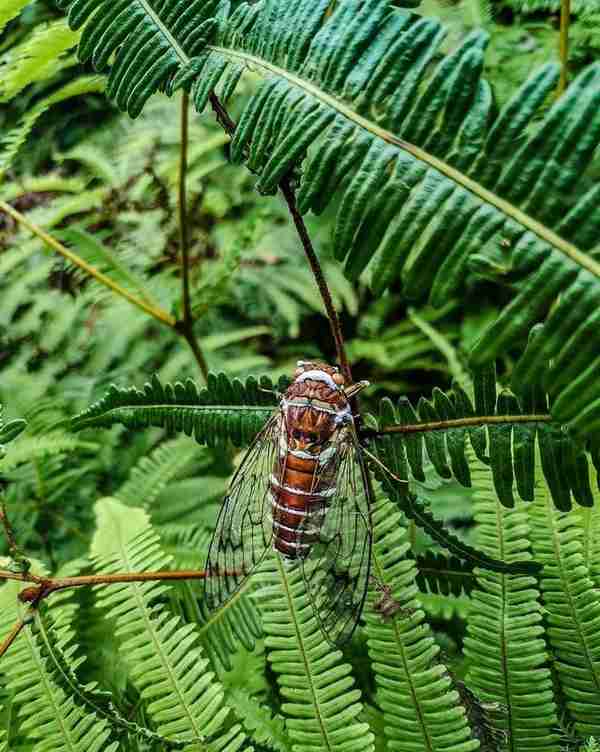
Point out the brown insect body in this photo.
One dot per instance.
(314, 409)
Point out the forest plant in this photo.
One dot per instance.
(426, 184)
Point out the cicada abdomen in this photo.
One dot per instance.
(303, 484)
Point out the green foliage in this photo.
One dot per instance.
(209, 414)
(318, 693)
(484, 204)
(168, 668)
(505, 643)
(572, 608)
(49, 716)
(421, 709)
(508, 448)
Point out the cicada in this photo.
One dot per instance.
(302, 489)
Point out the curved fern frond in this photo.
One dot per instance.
(445, 575)
(429, 179)
(49, 717)
(421, 709)
(39, 57)
(320, 701)
(10, 9)
(504, 641)
(165, 660)
(156, 44)
(499, 431)
(11, 142)
(223, 630)
(152, 474)
(223, 410)
(572, 609)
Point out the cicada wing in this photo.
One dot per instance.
(244, 531)
(336, 570)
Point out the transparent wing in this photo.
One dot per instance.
(244, 530)
(336, 569)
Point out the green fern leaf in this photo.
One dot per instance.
(37, 447)
(165, 660)
(426, 176)
(572, 607)
(156, 45)
(437, 573)
(507, 447)
(10, 9)
(49, 717)
(422, 711)
(12, 142)
(40, 57)
(223, 410)
(504, 640)
(320, 702)
(265, 728)
(152, 474)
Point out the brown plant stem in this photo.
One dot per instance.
(14, 633)
(186, 326)
(229, 125)
(154, 311)
(443, 425)
(565, 22)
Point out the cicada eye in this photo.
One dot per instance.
(339, 379)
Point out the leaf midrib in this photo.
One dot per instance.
(508, 209)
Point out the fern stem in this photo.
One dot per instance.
(154, 311)
(229, 125)
(186, 327)
(565, 22)
(315, 265)
(443, 425)
(14, 633)
(48, 585)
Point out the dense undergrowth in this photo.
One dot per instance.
(467, 657)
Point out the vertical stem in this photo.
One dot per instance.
(186, 326)
(229, 126)
(565, 22)
(315, 265)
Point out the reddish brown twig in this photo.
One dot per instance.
(229, 126)
(14, 633)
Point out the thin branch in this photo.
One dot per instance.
(186, 327)
(565, 22)
(155, 312)
(444, 425)
(14, 633)
(315, 265)
(13, 549)
(229, 125)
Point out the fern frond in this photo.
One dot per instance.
(40, 57)
(223, 410)
(221, 631)
(152, 474)
(572, 609)
(320, 701)
(165, 661)
(445, 575)
(10, 9)
(422, 712)
(505, 642)
(12, 142)
(38, 447)
(509, 448)
(156, 44)
(50, 718)
(266, 729)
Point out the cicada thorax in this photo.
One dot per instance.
(314, 412)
